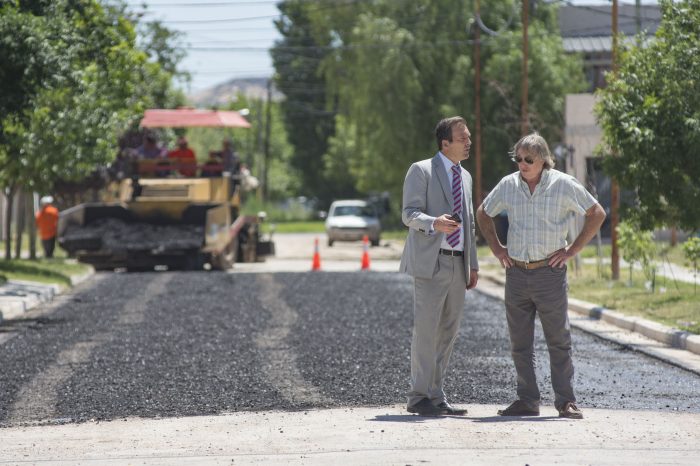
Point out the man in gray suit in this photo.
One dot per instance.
(440, 255)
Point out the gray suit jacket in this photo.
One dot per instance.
(427, 194)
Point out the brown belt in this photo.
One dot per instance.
(531, 265)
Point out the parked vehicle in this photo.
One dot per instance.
(350, 220)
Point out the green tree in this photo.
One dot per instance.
(394, 68)
(551, 75)
(637, 247)
(691, 249)
(407, 64)
(308, 116)
(87, 82)
(283, 178)
(650, 114)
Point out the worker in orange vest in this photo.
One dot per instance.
(47, 224)
(184, 157)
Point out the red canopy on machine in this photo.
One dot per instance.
(192, 117)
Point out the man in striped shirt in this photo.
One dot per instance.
(539, 202)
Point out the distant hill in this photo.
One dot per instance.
(223, 94)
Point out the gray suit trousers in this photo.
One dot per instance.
(438, 305)
(542, 291)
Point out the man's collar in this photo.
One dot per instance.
(446, 161)
(544, 177)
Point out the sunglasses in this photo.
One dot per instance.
(518, 159)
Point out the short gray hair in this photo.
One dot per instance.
(536, 146)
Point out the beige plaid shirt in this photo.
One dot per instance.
(538, 222)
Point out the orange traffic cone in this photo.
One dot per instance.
(365, 253)
(316, 263)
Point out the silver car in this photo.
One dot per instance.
(350, 220)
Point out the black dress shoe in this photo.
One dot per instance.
(451, 410)
(424, 408)
(520, 408)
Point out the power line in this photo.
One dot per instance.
(237, 28)
(223, 20)
(261, 70)
(203, 4)
(224, 42)
(335, 4)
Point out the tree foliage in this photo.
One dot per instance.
(650, 114)
(73, 79)
(308, 117)
(86, 82)
(637, 247)
(396, 67)
(691, 250)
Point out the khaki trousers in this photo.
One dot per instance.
(438, 305)
(542, 291)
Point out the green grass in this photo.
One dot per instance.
(675, 304)
(310, 226)
(672, 303)
(675, 254)
(58, 251)
(55, 270)
(318, 226)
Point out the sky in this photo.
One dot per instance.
(223, 39)
(230, 39)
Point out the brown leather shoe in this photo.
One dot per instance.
(451, 410)
(570, 411)
(520, 408)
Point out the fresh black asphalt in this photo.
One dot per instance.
(193, 348)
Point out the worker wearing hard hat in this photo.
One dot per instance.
(47, 224)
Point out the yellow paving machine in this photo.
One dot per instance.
(154, 220)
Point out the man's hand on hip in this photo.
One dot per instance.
(560, 257)
(504, 259)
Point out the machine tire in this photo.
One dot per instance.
(375, 242)
(330, 243)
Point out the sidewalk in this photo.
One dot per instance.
(384, 435)
(19, 296)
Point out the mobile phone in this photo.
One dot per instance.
(455, 218)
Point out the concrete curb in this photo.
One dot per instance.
(671, 337)
(19, 296)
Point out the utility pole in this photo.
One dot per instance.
(477, 106)
(266, 151)
(524, 124)
(614, 187)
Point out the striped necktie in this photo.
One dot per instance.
(453, 239)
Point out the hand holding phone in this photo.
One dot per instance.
(455, 218)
